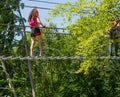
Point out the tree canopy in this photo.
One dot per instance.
(88, 21)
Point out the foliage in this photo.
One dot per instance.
(89, 30)
(8, 17)
(88, 22)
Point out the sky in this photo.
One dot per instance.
(42, 12)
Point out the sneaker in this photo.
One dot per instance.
(40, 55)
(116, 55)
(110, 55)
(31, 55)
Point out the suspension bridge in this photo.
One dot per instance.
(41, 60)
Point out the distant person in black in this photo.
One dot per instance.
(114, 37)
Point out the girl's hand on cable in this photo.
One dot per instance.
(44, 26)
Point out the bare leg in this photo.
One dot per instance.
(39, 38)
(32, 45)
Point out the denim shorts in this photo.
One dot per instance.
(35, 31)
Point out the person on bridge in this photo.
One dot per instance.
(114, 37)
(35, 22)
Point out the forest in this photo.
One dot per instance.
(76, 62)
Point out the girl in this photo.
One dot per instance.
(34, 22)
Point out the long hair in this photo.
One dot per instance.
(33, 14)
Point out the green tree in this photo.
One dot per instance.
(89, 29)
(8, 18)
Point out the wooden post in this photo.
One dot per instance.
(26, 49)
(8, 78)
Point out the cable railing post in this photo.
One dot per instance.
(26, 49)
(8, 78)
